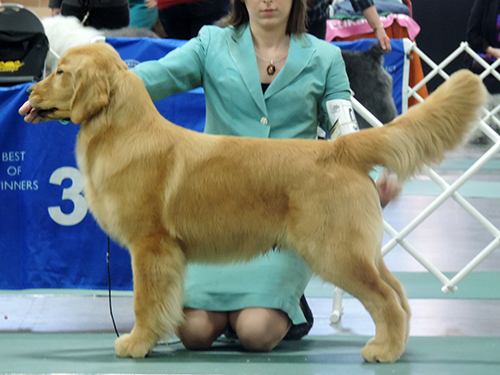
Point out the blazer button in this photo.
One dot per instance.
(264, 121)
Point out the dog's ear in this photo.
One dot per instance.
(92, 90)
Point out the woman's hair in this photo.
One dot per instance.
(296, 21)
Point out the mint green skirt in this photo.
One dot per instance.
(275, 280)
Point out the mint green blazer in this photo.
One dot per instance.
(223, 62)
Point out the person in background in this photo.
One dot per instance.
(183, 19)
(483, 36)
(317, 15)
(105, 14)
(264, 77)
(143, 13)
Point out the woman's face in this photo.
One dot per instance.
(269, 14)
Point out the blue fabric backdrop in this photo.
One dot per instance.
(47, 237)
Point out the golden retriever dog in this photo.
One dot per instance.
(171, 195)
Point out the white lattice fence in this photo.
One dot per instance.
(449, 191)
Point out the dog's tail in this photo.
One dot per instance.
(420, 136)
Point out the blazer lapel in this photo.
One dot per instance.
(243, 53)
(299, 54)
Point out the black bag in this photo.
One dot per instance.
(23, 46)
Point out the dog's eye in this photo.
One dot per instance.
(59, 72)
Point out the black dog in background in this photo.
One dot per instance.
(371, 84)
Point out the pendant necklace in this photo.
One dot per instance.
(271, 68)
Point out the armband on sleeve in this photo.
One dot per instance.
(342, 118)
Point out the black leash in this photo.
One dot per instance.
(109, 298)
(109, 290)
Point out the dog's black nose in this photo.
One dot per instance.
(29, 90)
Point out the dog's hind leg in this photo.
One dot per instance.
(158, 268)
(395, 284)
(358, 275)
(383, 304)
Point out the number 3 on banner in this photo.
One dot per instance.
(72, 193)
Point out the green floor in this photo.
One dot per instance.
(93, 353)
(476, 285)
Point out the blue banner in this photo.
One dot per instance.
(48, 239)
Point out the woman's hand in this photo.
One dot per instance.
(388, 186)
(495, 52)
(383, 39)
(373, 20)
(56, 11)
(30, 114)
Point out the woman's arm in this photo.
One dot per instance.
(336, 87)
(373, 19)
(179, 71)
(370, 12)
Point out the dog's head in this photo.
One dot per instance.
(81, 85)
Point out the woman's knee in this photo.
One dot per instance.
(201, 328)
(260, 329)
(257, 340)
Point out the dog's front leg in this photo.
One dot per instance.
(158, 268)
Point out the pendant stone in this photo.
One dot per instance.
(271, 69)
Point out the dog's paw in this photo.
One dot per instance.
(128, 346)
(373, 352)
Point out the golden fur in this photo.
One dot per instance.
(171, 195)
